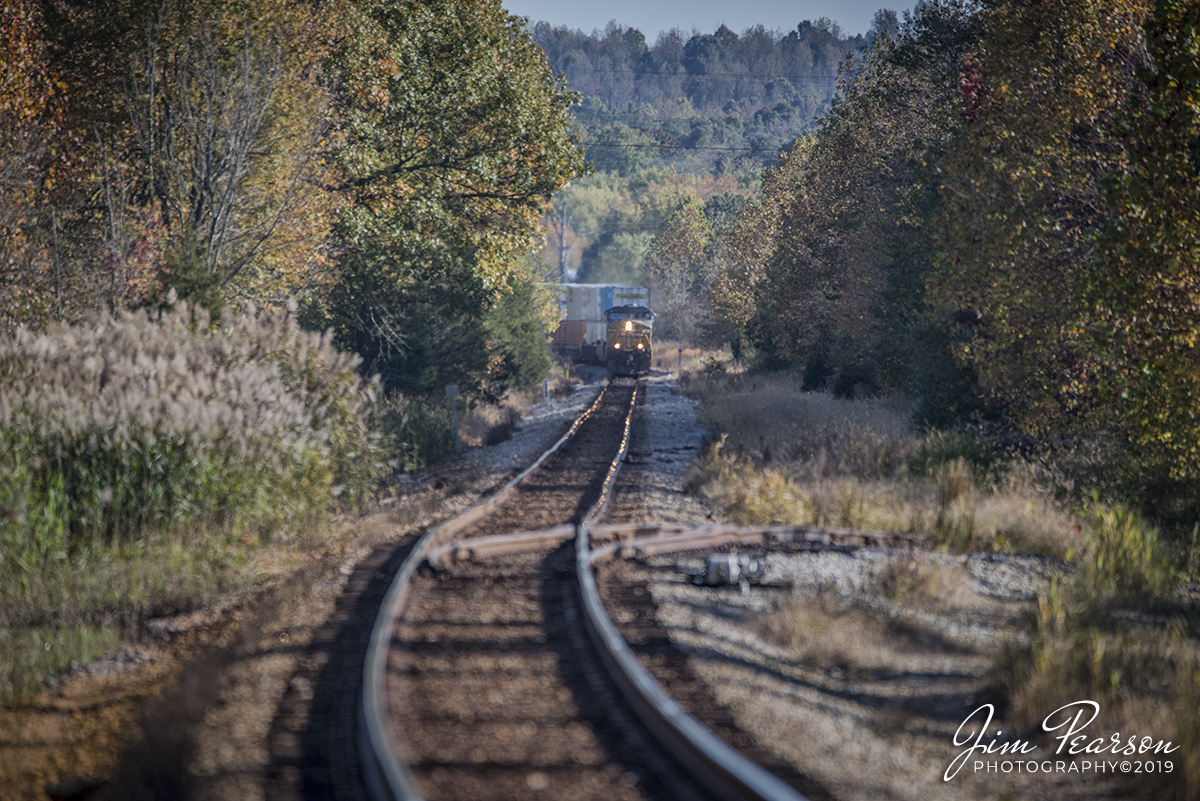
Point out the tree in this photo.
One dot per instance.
(819, 263)
(620, 149)
(203, 121)
(1021, 201)
(680, 269)
(1145, 285)
(452, 133)
(32, 104)
(517, 327)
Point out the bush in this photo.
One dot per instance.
(1123, 558)
(521, 356)
(143, 456)
(120, 425)
(812, 459)
(941, 448)
(415, 431)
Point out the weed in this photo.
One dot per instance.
(825, 634)
(1094, 639)
(1113, 631)
(1123, 557)
(790, 456)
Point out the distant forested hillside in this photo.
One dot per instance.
(720, 102)
(689, 117)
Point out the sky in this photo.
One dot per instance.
(652, 16)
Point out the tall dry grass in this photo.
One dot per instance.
(1118, 633)
(143, 457)
(674, 356)
(788, 456)
(1113, 629)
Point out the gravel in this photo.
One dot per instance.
(882, 729)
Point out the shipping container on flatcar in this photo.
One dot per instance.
(583, 328)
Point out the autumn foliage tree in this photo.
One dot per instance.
(680, 269)
(1002, 208)
(385, 162)
(1144, 286)
(1022, 201)
(816, 261)
(452, 132)
(32, 103)
(206, 120)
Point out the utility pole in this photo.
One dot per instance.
(564, 250)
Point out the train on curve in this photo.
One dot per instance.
(606, 324)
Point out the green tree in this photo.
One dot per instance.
(618, 148)
(680, 269)
(517, 331)
(452, 133)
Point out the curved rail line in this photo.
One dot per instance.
(695, 747)
(387, 777)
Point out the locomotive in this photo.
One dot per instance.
(606, 324)
(629, 345)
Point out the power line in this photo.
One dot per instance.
(682, 147)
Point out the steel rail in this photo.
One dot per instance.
(385, 774)
(692, 743)
(689, 739)
(737, 777)
(641, 539)
(630, 540)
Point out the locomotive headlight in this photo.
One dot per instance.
(628, 325)
(617, 345)
(640, 346)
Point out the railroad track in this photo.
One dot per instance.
(505, 678)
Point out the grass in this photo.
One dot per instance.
(146, 459)
(875, 628)
(151, 463)
(791, 457)
(678, 357)
(1114, 629)
(824, 634)
(31, 656)
(417, 432)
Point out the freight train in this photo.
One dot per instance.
(606, 324)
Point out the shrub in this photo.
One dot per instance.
(1123, 559)
(142, 457)
(414, 431)
(518, 340)
(146, 421)
(941, 448)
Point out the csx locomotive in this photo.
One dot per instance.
(629, 344)
(605, 324)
